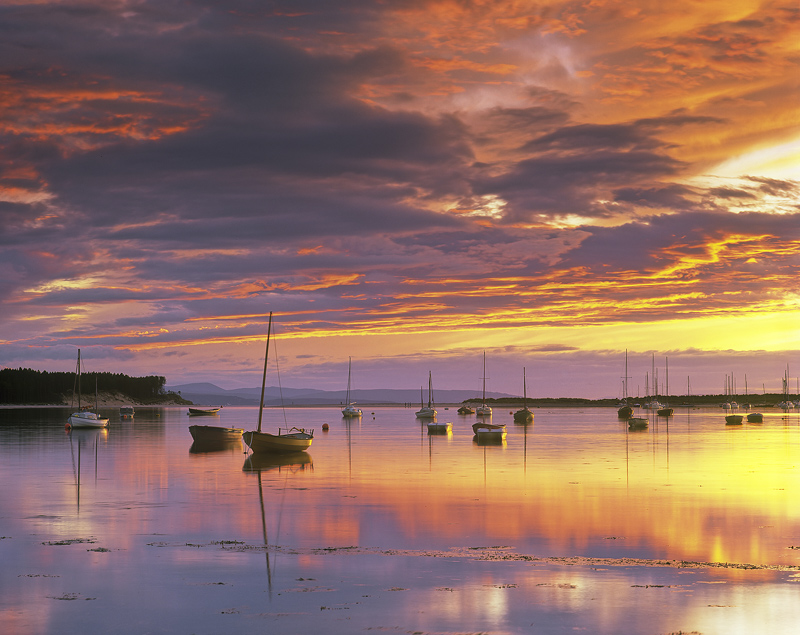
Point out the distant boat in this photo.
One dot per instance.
(489, 431)
(483, 410)
(292, 440)
(466, 410)
(755, 417)
(523, 415)
(194, 412)
(625, 411)
(665, 410)
(637, 423)
(215, 433)
(85, 418)
(429, 411)
(350, 410)
(733, 420)
(126, 412)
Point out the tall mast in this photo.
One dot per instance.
(264, 377)
(79, 380)
(484, 378)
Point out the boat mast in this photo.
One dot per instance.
(79, 380)
(625, 379)
(264, 377)
(430, 390)
(524, 390)
(349, 365)
(484, 378)
(666, 392)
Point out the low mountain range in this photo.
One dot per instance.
(209, 394)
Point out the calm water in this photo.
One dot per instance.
(383, 528)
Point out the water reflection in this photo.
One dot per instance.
(293, 462)
(219, 445)
(579, 483)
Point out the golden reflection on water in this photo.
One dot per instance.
(576, 483)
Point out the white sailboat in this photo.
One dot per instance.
(292, 440)
(350, 410)
(429, 411)
(85, 418)
(484, 410)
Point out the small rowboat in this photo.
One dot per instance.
(293, 440)
(215, 433)
(489, 431)
(733, 420)
(637, 423)
(204, 411)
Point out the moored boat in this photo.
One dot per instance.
(215, 433)
(625, 411)
(350, 410)
(429, 411)
(755, 417)
(484, 410)
(292, 440)
(85, 418)
(204, 411)
(435, 427)
(466, 410)
(489, 430)
(126, 412)
(733, 420)
(524, 415)
(637, 423)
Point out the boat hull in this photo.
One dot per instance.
(278, 443)
(466, 410)
(87, 420)
(426, 413)
(625, 412)
(665, 412)
(215, 433)
(755, 417)
(733, 420)
(351, 411)
(484, 411)
(199, 412)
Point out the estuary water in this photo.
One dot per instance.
(573, 524)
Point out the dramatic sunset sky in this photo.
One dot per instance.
(405, 182)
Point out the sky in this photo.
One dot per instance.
(408, 183)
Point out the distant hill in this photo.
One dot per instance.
(208, 394)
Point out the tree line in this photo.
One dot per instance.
(27, 386)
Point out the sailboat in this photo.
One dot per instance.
(85, 418)
(427, 412)
(653, 403)
(483, 410)
(350, 410)
(665, 410)
(625, 411)
(524, 415)
(466, 410)
(293, 440)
